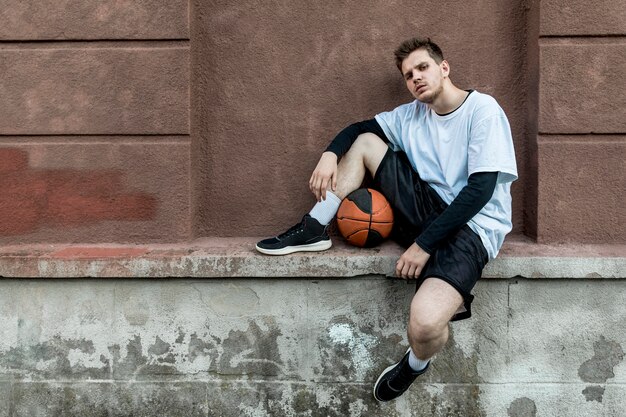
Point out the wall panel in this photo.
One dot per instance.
(97, 90)
(105, 19)
(581, 17)
(581, 189)
(582, 86)
(71, 191)
(273, 83)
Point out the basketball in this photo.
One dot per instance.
(365, 218)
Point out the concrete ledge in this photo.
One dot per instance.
(236, 257)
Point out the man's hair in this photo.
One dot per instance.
(407, 47)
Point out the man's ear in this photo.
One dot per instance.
(445, 68)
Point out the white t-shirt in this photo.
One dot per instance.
(446, 150)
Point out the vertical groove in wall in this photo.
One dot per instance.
(531, 69)
(198, 146)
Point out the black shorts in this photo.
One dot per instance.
(459, 260)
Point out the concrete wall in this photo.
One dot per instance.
(303, 347)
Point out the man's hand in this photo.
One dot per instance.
(411, 263)
(324, 175)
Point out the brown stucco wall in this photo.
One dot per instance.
(94, 20)
(95, 121)
(274, 81)
(582, 122)
(163, 121)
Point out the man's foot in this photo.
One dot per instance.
(307, 236)
(396, 379)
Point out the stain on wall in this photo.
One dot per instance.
(253, 351)
(80, 349)
(59, 198)
(109, 399)
(607, 354)
(594, 393)
(522, 407)
(353, 351)
(460, 396)
(54, 358)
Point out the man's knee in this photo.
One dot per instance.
(432, 307)
(370, 149)
(368, 142)
(424, 329)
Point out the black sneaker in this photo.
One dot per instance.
(396, 379)
(307, 236)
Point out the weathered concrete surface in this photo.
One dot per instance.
(102, 19)
(109, 399)
(305, 347)
(5, 395)
(236, 257)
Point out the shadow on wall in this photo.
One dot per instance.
(34, 198)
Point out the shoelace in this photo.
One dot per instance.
(297, 228)
(402, 377)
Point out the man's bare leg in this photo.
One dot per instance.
(366, 153)
(432, 307)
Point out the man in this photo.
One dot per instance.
(445, 162)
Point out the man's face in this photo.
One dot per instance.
(423, 76)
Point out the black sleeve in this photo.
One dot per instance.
(344, 139)
(467, 204)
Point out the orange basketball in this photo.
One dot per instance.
(365, 218)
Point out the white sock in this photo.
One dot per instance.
(416, 363)
(325, 210)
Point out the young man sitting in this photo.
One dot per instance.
(445, 162)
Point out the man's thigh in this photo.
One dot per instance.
(435, 303)
(373, 149)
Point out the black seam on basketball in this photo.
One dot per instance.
(378, 211)
(355, 232)
(362, 220)
(351, 218)
(369, 226)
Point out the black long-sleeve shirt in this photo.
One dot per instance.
(470, 200)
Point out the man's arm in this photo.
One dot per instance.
(344, 139)
(470, 200)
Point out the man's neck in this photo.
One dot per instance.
(449, 100)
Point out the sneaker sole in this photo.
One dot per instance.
(312, 247)
(378, 380)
